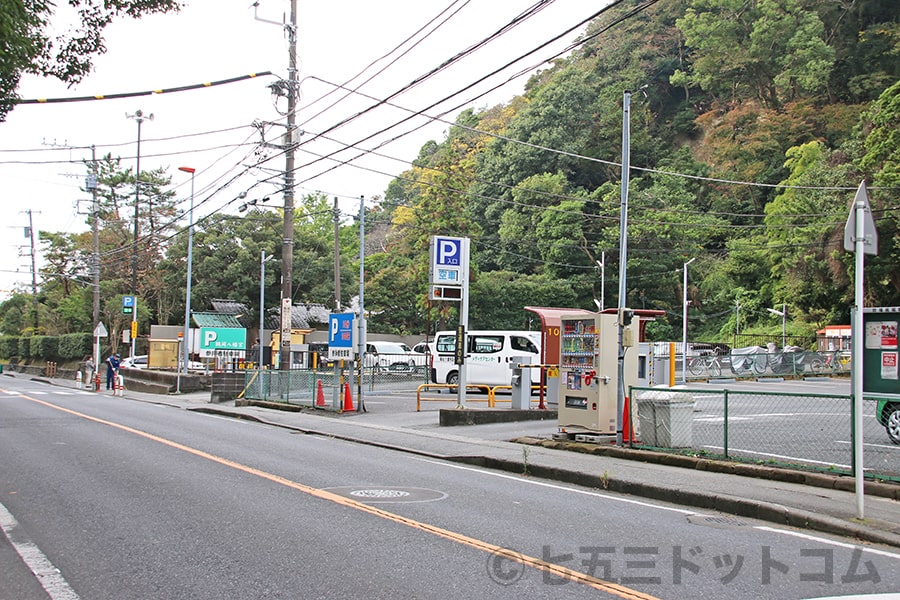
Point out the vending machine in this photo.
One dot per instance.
(588, 370)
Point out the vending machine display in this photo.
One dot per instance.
(588, 363)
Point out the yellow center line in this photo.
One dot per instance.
(499, 551)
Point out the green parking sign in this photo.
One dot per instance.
(223, 338)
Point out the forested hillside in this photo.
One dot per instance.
(753, 122)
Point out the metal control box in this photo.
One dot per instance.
(588, 371)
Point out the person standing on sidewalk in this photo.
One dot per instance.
(112, 369)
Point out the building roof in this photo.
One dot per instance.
(215, 319)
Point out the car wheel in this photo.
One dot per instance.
(453, 377)
(892, 422)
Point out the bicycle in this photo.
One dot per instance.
(705, 363)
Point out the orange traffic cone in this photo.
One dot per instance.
(320, 394)
(348, 400)
(627, 429)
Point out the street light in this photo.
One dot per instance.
(190, 258)
(783, 314)
(684, 325)
(263, 259)
(602, 264)
(140, 118)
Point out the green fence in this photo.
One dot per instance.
(806, 431)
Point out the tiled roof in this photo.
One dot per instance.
(215, 319)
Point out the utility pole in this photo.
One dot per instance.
(337, 257)
(34, 299)
(623, 262)
(287, 243)
(95, 231)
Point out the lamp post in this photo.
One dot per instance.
(684, 352)
(602, 264)
(263, 259)
(140, 118)
(783, 314)
(190, 260)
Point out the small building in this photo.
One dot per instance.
(834, 337)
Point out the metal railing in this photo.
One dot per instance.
(806, 431)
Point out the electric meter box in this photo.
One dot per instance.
(589, 368)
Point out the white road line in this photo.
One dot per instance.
(561, 487)
(806, 536)
(47, 575)
(815, 538)
(769, 454)
(887, 446)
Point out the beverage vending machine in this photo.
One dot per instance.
(588, 370)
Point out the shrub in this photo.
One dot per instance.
(74, 346)
(44, 347)
(24, 351)
(9, 346)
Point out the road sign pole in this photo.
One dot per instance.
(463, 320)
(860, 207)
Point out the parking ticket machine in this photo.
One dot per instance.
(588, 370)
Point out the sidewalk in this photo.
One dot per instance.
(829, 509)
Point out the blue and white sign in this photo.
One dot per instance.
(447, 251)
(127, 301)
(449, 260)
(341, 336)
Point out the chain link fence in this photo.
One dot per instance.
(301, 386)
(807, 431)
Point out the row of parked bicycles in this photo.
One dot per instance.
(756, 360)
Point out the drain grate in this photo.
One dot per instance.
(720, 522)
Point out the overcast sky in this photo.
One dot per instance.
(211, 40)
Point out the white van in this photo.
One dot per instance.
(488, 356)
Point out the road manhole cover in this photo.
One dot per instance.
(376, 495)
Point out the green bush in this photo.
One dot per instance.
(74, 346)
(9, 346)
(24, 352)
(45, 347)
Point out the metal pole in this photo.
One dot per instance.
(337, 257)
(783, 326)
(464, 323)
(287, 247)
(190, 266)
(684, 320)
(623, 262)
(858, 346)
(361, 337)
(262, 302)
(34, 298)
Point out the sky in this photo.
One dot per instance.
(378, 47)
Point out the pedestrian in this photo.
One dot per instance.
(88, 370)
(112, 370)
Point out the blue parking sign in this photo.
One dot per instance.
(448, 251)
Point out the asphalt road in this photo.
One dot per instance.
(125, 499)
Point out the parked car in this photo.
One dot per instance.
(888, 413)
(396, 355)
(134, 362)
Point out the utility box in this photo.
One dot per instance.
(666, 418)
(588, 371)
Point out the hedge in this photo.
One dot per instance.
(71, 346)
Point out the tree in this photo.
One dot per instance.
(28, 45)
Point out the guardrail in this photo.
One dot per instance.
(535, 388)
(429, 386)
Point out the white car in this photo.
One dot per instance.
(134, 362)
(392, 355)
